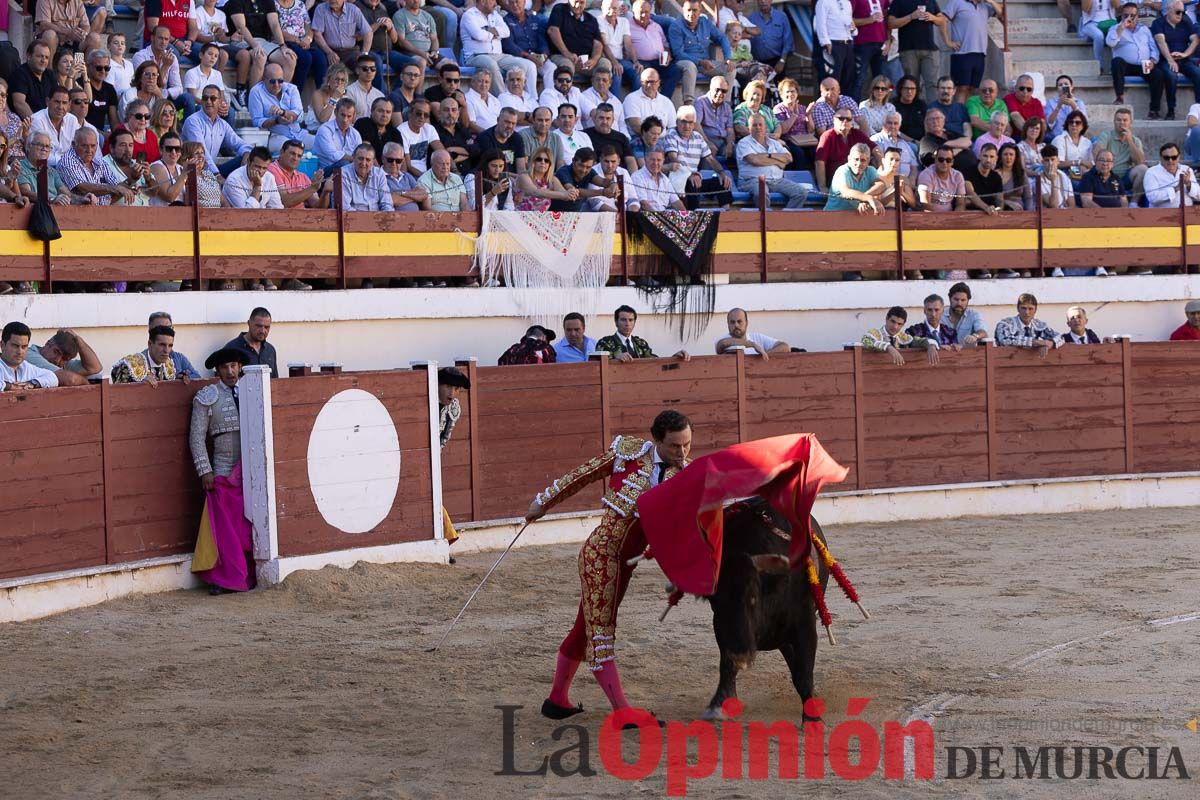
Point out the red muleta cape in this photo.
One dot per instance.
(683, 518)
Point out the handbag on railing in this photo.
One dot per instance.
(42, 224)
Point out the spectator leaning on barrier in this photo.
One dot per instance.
(856, 185)
(252, 185)
(1162, 182)
(295, 188)
(966, 322)
(253, 342)
(94, 178)
(182, 365)
(67, 355)
(1187, 332)
(893, 338)
(984, 184)
(940, 186)
(891, 170)
(607, 173)
(16, 373)
(652, 189)
(153, 364)
(575, 345)
(534, 348)
(407, 195)
(1079, 332)
(1025, 330)
(755, 344)
(578, 175)
(623, 346)
(934, 326)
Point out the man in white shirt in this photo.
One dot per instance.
(600, 92)
(252, 186)
(756, 344)
(890, 137)
(57, 123)
(15, 372)
(572, 140)
(483, 108)
(482, 29)
(614, 30)
(833, 24)
(1162, 180)
(561, 92)
(654, 189)
(759, 154)
(648, 102)
(362, 91)
(420, 138)
(606, 172)
(1056, 186)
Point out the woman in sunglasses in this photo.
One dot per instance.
(164, 118)
(320, 109)
(168, 175)
(876, 107)
(538, 186)
(145, 143)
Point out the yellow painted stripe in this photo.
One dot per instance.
(739, 242)
(831, 241)
(122, 244)
(409, 244)
(1122, 238)
(1193, 232)
(946, 240)
(268, 243)
(19, 243)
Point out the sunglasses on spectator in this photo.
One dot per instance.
(211, 98)
(541, 160)
(1129, 16)
(452, 80)
(102, 69)
(81, 102)
(172, 148)
(882, 88)
(945, 160)
(1165, 157)
(141, 116)
(416, 113)
(844, 119)
(411, 74)
(563, 79)
(367, 67)
(720, 91)
(394, 160)
(275, 81)
(1024, 88)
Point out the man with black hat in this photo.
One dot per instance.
(534, 348)
(224, 547)
(451, 381)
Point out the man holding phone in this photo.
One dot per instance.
(135, 169)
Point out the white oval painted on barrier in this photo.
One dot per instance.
(354, 461)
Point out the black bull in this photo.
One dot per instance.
(759, 604)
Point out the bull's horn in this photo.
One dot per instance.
(770, 562)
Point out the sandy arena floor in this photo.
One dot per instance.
(1031, 630)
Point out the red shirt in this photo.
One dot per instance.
(834, 150)
(1030, 108)
(172, 13)
(1186, 333)
(876, 32)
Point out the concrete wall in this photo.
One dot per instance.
(383, 329)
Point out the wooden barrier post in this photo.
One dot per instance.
(860, 433)
(1183, 244)
(739, 355)
(1037, 205)
(1127, 396)
(43, 190)
(621, 226)
(899, 229)
(479, 201)
(193, 189)
(989, 395)
(470, 366)
(602, 362)
(109, 465)
(341, 231)
(435, 445)
(258, 464)
(763, 202)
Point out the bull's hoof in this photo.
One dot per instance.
(555, 711)
(714, 714)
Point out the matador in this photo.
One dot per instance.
(631, 466)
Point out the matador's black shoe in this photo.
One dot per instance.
(555, 711)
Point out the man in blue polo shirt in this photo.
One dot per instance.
(774, 42)
(575, 345)
(1177, 38)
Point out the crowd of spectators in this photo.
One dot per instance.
(574, 105)
(66, 359)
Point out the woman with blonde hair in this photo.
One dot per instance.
(164, 118)
(320, 109)
(877, 105)
(537, 186)
(753, 97)
(12, 125)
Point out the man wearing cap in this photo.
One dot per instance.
(534, 348)
(451, 381)
(224, 546)
(1190, 330)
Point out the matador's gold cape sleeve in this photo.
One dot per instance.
(622, 450)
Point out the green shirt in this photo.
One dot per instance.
(843, 178)
(54, 183)
(1122, 153)
(976, 108)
